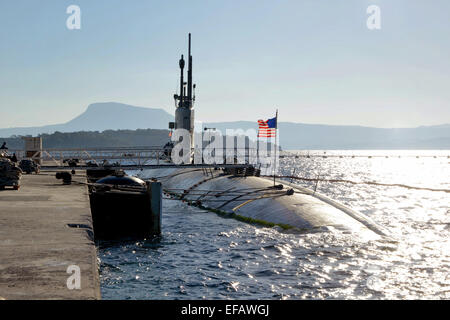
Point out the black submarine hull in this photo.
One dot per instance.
(254, 199)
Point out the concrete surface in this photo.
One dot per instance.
(37, 245)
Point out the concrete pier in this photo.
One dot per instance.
(45, 228)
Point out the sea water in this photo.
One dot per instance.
(201, 255)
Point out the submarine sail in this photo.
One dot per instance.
(241, 193)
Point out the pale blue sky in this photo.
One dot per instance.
(314, 60)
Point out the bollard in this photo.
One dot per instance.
(154, 190)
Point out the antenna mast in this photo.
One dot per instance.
(181, 80)
(189, 96)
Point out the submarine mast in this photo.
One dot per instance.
(184, 102)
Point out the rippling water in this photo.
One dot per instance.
(203, 256)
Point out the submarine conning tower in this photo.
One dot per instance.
(184, 101)
(245, 195)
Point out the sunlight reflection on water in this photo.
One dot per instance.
(201, 255)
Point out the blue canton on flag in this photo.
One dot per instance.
(267, 129)
(272, 123)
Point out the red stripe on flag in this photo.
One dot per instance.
(264, 130)
(267, 132)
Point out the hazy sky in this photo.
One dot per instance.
(316, 61)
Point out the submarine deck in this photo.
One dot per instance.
(45, 227)
(254, 199)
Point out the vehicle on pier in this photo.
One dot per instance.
(10, 174)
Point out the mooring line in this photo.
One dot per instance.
(363, 182)
(258, 198)
(186, 191)
(176, 174)
(240, 196)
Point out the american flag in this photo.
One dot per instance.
(268, 128)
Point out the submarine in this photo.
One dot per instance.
(240, 192)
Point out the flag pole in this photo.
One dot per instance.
(275, 146)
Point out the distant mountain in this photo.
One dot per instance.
(103, 116)
(317, 136)
(95, 139)
(117, 116)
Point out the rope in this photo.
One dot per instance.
(251, 200)
(239, 196)
(364, 182)
(176, 174)
(175, 189)
(240, 199)
(218, 194)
